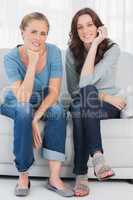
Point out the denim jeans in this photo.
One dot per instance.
(53, 147)
(87, 111)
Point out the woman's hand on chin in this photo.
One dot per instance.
(33, 57)
(102, 35)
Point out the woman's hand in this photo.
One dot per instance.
(116, 101)
(33, 57)
(102, 34)
(36, 134)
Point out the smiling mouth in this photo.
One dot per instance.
(35, 44)
(87, 37)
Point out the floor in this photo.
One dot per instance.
(109, 190)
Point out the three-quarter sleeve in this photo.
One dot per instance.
(105, 65)
(11, 68)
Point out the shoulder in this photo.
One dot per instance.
(52, 47)
(12, 53)
(12, 57)
(111, 55)
(69, 56)
(114, 50)
(69, 52)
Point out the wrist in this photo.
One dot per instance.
(95, 44)
(36, 118)
(32, 66)
(38, 115)
(108, 98)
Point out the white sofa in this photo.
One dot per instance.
(117, 134)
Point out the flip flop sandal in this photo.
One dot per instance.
(104, 169)
(101, 168)
(81, 187)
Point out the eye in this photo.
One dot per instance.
(34, 31)
(43, 33)
(79, 27)
(90, 24)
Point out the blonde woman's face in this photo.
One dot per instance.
(35, 34)
(86, 29)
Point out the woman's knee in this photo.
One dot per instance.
(24, 110)
(89, 89)
(56, 111)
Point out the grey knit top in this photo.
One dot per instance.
(103, 77)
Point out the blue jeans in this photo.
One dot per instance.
(87, 111)
(53, 147)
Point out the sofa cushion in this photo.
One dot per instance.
(6, 125)
(117, 128)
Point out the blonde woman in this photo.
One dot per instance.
(34, 71)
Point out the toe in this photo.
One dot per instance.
(81, 193)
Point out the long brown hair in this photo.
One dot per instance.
(76, 45)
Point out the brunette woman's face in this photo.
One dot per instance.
(35, 34)
(86, 29)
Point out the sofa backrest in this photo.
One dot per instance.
(3, 79)
(124, 76)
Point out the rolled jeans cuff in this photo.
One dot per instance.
(53, 155)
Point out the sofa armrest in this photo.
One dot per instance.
(127, 112)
